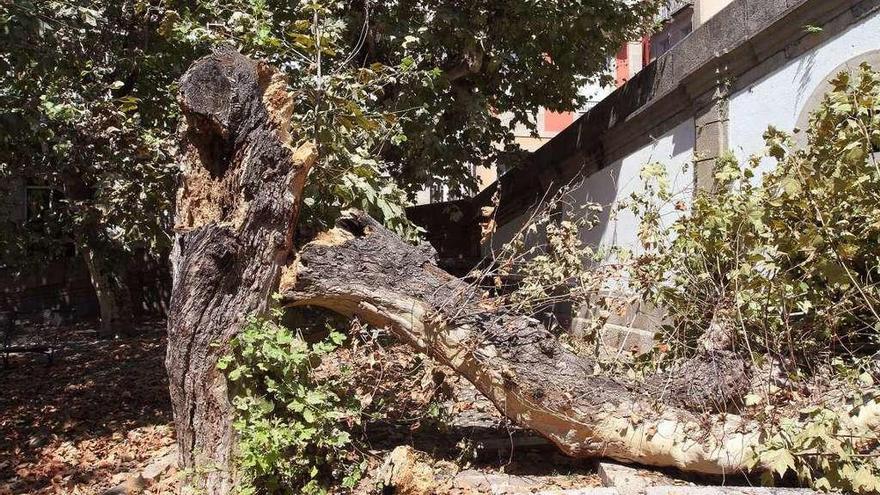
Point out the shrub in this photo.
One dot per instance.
(290, 423)
(783, 264)
(789, 260)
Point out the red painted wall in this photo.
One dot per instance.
(622, 65)
(555, 122)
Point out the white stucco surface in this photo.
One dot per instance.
(615, 183)
(779, 98)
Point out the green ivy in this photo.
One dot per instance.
(289, 422)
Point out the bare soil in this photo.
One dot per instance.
(82, 424)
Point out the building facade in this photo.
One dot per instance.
(744, 66)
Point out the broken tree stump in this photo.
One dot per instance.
(236, 212)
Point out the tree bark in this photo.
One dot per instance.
(684, 418)
(108, 307)
(236, 209)
(236, 212)
(114, 300)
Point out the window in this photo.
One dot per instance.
(437, 193)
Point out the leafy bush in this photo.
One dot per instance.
(786, 263)
(820, 450)
(790, 260)
(553, 270)
(289, 422)
(781, 265)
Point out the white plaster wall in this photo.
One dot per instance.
(778, 98)
(616, 183)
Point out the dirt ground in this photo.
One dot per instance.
(83, 423)
(99, 416)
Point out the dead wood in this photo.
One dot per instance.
(236, 212)
(361, 269)
(236, 209)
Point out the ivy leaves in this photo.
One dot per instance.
(289, 423)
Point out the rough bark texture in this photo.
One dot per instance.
(236, 209)
(114, 303)
(681, 418)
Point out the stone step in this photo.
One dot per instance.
(602, 490)
(618, 339)
(629, 480)
(472, 481)
(727, 490)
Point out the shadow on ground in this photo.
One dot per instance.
(98, 408)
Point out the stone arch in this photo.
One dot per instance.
(871, 57)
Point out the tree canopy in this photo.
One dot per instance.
(398, 94)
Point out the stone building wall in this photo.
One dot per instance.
(751, 65)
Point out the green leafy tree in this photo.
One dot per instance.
(398, 94)
(88, 111)
(403, 95)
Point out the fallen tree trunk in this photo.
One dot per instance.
(361, 269)
(683, 418)
(236, 211)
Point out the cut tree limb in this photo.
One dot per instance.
(681, 418)
(361, 269)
